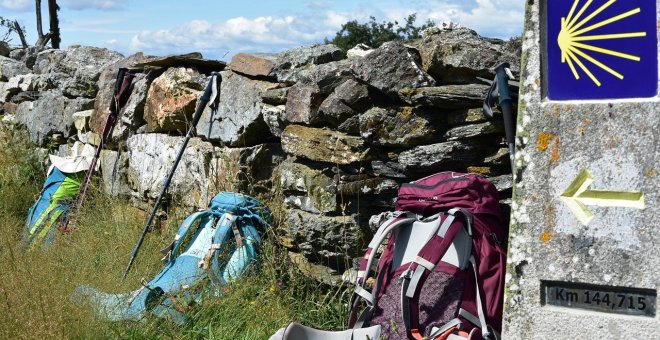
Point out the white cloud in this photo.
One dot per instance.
(502, 17)
(16, 5)
(492, 18)
(262, 34)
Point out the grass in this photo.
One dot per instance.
(36, 287)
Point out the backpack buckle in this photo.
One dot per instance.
(406, 275)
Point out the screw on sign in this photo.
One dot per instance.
(602, 49)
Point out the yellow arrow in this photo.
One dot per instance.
(578, 196)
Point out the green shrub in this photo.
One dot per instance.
(374, 34)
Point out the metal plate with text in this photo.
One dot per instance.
(619, 300)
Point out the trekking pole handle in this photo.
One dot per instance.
(211, 88)
(506, 104)
(505, 101)
(118, 83)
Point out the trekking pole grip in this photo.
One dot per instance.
(505, 100)
(206, 97)
(506, 104)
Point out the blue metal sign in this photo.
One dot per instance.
(602, 49)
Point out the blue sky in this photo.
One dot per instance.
(220, 29)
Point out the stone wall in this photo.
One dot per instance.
(332, 135)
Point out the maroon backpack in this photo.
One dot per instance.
(441, 274)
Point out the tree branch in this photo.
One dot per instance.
(41, 42)
(21, 35)
(40, 31)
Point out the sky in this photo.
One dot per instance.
(220, 29)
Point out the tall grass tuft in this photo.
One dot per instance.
(36, 286)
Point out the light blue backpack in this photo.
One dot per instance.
(223, 245)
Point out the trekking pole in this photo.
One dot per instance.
(210, 95)
(499, 92)
(506, 104)
(119, 97)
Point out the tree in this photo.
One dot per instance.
(41, 38)
(54, 32)
(375, 34)
(54, 23)
(12, 26)
(9, 26)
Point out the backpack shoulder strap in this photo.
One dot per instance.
(428, 258)
(366, 264)
(184, 228)
(385, 229)
(243, 252)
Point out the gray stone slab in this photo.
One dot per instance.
(551, 245)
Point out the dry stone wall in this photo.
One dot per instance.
(330, 135)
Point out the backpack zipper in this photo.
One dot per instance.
(415, 185)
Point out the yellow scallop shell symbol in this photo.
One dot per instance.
(572, 38)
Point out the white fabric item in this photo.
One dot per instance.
(297, 331)
(79, 161)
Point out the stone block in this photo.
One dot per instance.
(289, 62)
(276, 96)
(239, 121)
(448, 96)
(369, 186)
(326, 76)
(453, 54)
(476, 130)
(51, 114)
(323, 145)
(254, 65)
(89, 137)
(466, 116)
(171, 99)
(81, 120)
(302, 105)
(152, 157)
(10, 68)
(499, 158)
(246, 169)
(392, 68)
(359, 51)
(307, 189)
(442, 156)
(274, 117)
(399, 126)
(328, 240)
(114, 168)
(334, 111)
(354, 94)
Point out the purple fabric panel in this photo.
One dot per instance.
(439, 303)
(491, 264)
